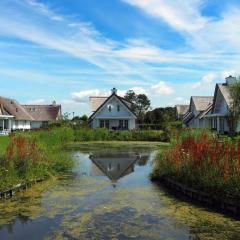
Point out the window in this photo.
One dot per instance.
(121, 124)
(101, 123)
(118, 108)
(126, 124)
(109, 108)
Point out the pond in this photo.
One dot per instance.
(109, 196)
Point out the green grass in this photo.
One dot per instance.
(4, 140)
(33, 155)
(25, 156)
(117, 143)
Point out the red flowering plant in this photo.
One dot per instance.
(24, 156)
(203, 162)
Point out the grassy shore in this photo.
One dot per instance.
(202, 162)
(26, 156)
(116, 144)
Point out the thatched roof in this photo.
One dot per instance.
(202, 102)
(43, 112)
(182, 109)
(12, 107)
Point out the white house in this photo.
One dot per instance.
(14, 116)
(221, 104)
(199, 106)
(112, 112)
(43, 114)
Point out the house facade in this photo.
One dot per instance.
(212, 112)
(113, 113)
(43, 114)
(221, 105)
(14, 116)
(197, 108)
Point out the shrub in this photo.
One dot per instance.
(102, 134)
(202, 161)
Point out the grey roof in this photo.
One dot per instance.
(182, 109)
(202, 102)
(226, 93)
(13, 108)
(188, 116)
(205, 112)
(43, 112)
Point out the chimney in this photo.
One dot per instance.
(231, 80)
(114, 91)
(54, 103)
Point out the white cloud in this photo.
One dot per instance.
(205, 81)
(162, 88)
(83, 96)
(180, 14)
(227, 73)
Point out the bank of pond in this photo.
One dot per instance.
(26, 156)
(201, 166)
(108, 195)
(196, 159)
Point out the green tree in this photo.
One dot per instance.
(140, 103)
(234, 110)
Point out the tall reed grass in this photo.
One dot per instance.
(203, 162)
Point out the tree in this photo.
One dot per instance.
(163, 117)
(140, 103)
(234, 110)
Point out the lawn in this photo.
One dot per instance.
(4, 140)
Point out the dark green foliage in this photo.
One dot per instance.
(102, 134)
(161, 118)
(234, 110)
(140, 103)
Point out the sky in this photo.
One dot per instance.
(68, 50)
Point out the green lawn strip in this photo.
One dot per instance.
(116, 144)
(3, 144)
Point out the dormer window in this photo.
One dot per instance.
(109, 108)
(118, 108)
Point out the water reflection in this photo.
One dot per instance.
(114, 165)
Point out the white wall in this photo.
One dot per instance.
(114, 115)
(114, 102)
(20, 125)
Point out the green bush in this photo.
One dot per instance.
(102, 134)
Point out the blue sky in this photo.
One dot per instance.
(68, 50)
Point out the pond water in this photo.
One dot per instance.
(109, 196)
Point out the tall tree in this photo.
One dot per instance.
(140, 103)
(234, 110)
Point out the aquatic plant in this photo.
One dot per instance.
(30, 156)
(203, 162)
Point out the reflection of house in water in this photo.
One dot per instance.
(114, 166)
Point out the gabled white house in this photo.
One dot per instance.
(221, 105)
(112, 112)
(198, 105)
